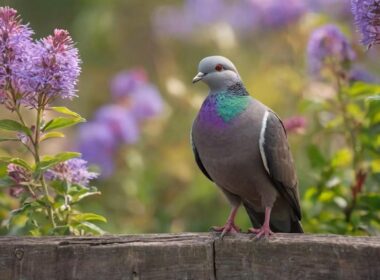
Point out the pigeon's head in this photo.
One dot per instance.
(217, 72)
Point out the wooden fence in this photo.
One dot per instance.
(190, 256)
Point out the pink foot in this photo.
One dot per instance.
(229, 227)
(263, 231)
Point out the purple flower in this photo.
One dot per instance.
(203, 12)
(147, 102)
(367, 18)
(97, 145)
(277, 13)
(328, 46)
(125, 82)
(335, 8)
(171, 21)
(73, 171)
(15, 44)
(244, 16)
(20, 176)
(295, 124)
(361, 75)
(55, 67)
(121, 122)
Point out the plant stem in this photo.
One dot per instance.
(30, 137)
(350, 131)
(40, 112)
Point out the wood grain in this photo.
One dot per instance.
(190, 256)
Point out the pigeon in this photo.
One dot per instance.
(241, 145)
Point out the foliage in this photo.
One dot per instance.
(49, 187)
(344, 196)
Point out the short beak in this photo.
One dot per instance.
(198, 77)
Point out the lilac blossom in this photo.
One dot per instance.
(147, 102)
(367, 19)
(121, 122)
(277, 13)
(328, 46)
(335, 8)
(97, 145)
(246, 15)
(125, 82)
(204, 11)
(55, 67)
(143, 99)
(360, 75)
(73, 171)
(169, 21)
(19, 175)
(15, 44)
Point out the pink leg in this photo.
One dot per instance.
(230, 224)
(265, 229)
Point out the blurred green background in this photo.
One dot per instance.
(157, 186)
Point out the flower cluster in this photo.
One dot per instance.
(33, 73)
(328, 47)
(116, 124)
(55, 67)
(15, 44)
(367, 18)
(243, 16)
(73, 171)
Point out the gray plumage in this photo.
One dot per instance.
(249, 159)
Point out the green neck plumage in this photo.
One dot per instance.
(231, 103)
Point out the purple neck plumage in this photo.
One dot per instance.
(208, 115)
(221, 108)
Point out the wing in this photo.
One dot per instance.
(278, 160)
(197, 158)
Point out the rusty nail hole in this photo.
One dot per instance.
(19, 253)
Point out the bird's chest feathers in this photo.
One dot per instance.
(223, 108)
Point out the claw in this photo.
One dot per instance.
(229, 227)
(264, 231)
(230, 224)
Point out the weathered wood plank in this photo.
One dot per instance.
(190, 256)
(298, 256)
(185, 256)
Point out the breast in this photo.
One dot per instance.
(230, 153)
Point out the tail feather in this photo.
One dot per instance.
(257, 220)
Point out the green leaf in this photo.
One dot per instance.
(21, 162)
(315, 156)
(342, 158)
(90, 227)
(50, 161)
(363, 89)
(60, 230)
(6, 182)
(82, 217)
(61, 122)
(66, 111)
(17, 161)
(52, 134)
(12, 125)
(374, 98)
(373, 111)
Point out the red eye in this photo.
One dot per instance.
(219, 67)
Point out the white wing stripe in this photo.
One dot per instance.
(262, 140)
